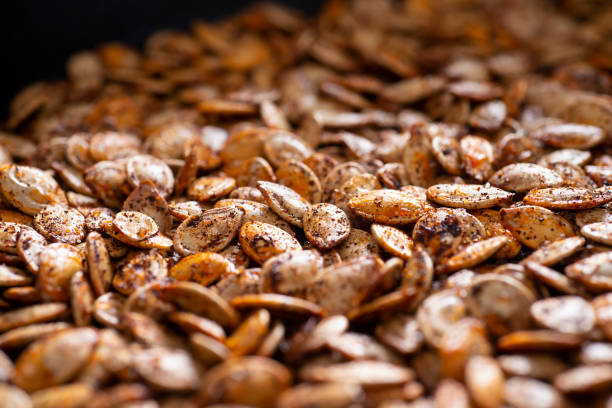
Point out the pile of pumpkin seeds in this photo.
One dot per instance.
(393, 204)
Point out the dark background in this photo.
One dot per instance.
(38, 36)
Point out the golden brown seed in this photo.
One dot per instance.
(283, 146)
(602, 175)
(70, 396)
(462, 340)
(538, 340)
(99, 263)
(552, 278)
(301, 179)
(210, 188)
(147, 200)
(443, 231)
(96, 218)
(533, 226)
(358, 346)
(388, 207)
(58, 262)
(195, 298)
(392, 175)
(203, 268)
(555, 252)
(251, 171)
(352, 188)
(485, 381)
(112, 145)
(491, 221)
(191, 322)
(262, 241)
(207, 349)
(22, 336)
(249, 335)
(542, 366)
(31, 314)
(15, 217)
(478, 156)
(488, 116)
(358, 243)
(473, 254)
(568, 198)
(412, 90)
(142, 268)
(252, 381)
(22, 294)
(418, 159)
(470, 196)
(475, 90)
(81, 299)
(567, 156)
(334, 178)
(392, 240)
(246, 281)
(54, 359)
(281, 304)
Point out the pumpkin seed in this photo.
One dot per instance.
(261, 241)
(211, 230)
(325, 225)
(470, 196)
(534, 226)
